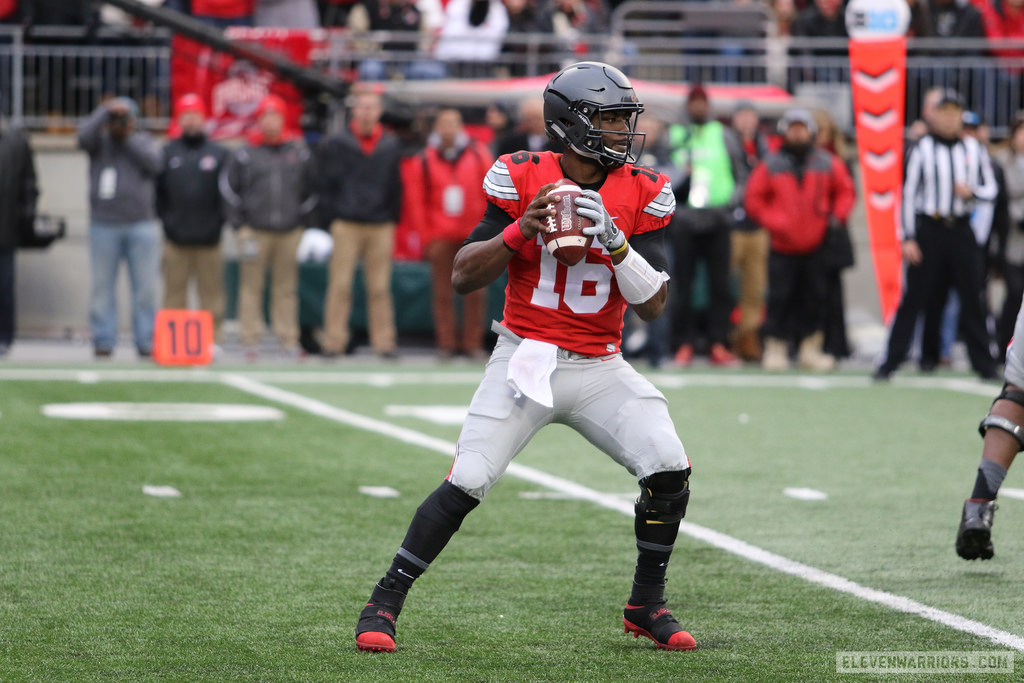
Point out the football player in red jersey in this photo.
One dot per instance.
(557, 358)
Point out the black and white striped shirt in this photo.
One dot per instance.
(934, 167)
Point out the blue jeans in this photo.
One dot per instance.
(138, 244)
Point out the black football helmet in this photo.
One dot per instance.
(581, 90)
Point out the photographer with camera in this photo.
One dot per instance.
(123, 165)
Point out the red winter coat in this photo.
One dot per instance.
(225, 9)
(796, 212)
(8, 8)
(461, 180)
(1002, 22)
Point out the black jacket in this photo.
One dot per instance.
(18, 189)
(358, 187)
(188, 199)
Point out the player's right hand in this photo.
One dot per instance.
(535, 219)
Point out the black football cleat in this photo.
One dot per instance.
(654, 621)
(974, 538)
(375, 631)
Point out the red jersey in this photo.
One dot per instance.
(577, 308)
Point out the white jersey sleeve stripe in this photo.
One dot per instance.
(498, 183)
(663, 204)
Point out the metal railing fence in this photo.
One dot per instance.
(51, 85)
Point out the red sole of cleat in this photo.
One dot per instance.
(680, 641)
(374, 641)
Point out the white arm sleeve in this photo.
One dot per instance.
(638, 280)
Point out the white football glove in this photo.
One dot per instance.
(315, 246)
(590, 205)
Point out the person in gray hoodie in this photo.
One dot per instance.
(123, 165)
(268, 187)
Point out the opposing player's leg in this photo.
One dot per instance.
(497, 427)
(1003, 431)
(627, 417)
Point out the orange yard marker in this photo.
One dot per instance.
(183, 337)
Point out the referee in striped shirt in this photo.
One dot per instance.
(946, 174)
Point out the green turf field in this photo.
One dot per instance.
(258, 570)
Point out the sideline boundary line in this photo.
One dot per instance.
(390, 378)
(715, 538)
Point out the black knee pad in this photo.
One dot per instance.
(1003, 423)
(663, 497)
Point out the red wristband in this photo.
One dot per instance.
(513, 236)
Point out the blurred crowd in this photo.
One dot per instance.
(758, 243)
(563, 17)
(488, 19)
(429, 39)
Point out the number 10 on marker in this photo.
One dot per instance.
(183, 337)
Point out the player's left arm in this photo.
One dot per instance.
(651, 246)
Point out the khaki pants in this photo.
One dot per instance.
(276, 250)
(750, 261)
(205, 264)
(442, 259)
(373, 243)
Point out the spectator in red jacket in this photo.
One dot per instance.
(9, 11)
(1003, 20)
(224, 13)
(450, 204)
(797, 194)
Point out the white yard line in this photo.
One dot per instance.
(609, 501)
(803, 493)
(670, 380)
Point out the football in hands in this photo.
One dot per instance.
(565, 239)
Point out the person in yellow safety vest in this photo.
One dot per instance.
(710, 157)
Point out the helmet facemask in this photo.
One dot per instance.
(581, 131)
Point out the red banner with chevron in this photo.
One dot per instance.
(878, 75)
